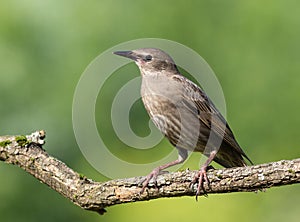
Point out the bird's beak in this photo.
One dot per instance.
(127, 54)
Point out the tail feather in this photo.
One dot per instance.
(229, 157)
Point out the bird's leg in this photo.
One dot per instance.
(201, 175)
(182, 155)
(155, 172)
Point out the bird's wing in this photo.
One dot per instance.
(198, 102)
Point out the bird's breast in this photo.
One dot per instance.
(169, 114)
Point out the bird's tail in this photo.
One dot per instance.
(229, 157)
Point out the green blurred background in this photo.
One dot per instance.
(253, 47)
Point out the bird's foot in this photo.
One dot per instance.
(201, 177)
(153, 175)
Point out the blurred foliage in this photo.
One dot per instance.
(253, 47)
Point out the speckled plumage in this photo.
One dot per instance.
(183, 113)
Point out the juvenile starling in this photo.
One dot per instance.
(184, 114)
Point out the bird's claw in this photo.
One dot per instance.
(200, 177)
(153, 175)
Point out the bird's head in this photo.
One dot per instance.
(150, 60)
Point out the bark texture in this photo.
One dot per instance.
(27, 153)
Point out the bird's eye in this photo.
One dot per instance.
(148, 58)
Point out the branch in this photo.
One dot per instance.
(27, 153)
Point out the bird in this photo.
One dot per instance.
(184, 114)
